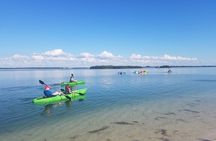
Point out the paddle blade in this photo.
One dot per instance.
(41, 82)
(69, 98)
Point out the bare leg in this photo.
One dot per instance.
(57, 93)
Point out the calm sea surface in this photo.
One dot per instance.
(153, 107)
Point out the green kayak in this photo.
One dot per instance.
(72, 83)
(75, 95)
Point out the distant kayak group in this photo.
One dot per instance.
(65, 93)
(141, 72)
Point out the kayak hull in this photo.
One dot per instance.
(73, 83)
(75, 95)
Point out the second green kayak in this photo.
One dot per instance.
(73, 83)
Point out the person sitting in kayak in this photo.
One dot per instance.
(68, 89)
(49, 93)
(72, 78)
(169, 71)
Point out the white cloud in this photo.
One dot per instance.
(159, 60)
(107, 58)
(87, 57)
(136, 57)
(55, 52)
(106, 55)
(53, 55)
(14, 60)
(178, 58)
(58, 57)
(37, 57)
(19, 57)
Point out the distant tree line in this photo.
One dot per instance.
(167, 66)
(139, 67)
(115, 67)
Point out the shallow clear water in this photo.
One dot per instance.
(157, 106)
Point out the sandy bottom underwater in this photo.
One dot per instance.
(172, 119)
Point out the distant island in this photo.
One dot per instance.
(167, 66)
(139, 67)
(115, 67)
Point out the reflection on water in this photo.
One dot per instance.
(49, 109)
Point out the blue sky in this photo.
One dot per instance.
(185, 28)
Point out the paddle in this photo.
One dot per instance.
(41, 82)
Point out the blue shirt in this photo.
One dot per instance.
(48, 93)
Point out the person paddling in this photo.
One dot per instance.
(49, 93)
(72, 78)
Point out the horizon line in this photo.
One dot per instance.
(125, 66)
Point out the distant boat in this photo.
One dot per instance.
(121, 73)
